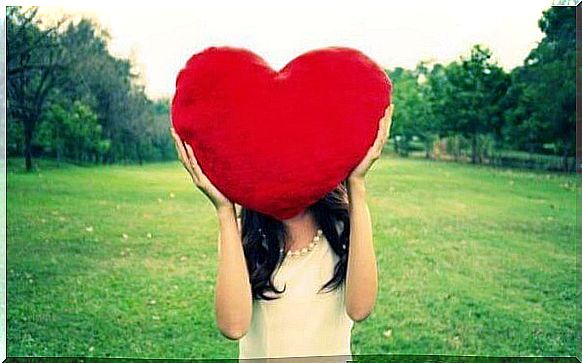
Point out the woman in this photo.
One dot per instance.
(287, 288)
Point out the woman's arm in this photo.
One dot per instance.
(362, 272)
(233, 299)
(362, 275)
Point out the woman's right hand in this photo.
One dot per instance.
(189, 161)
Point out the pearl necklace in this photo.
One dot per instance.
(307, 249)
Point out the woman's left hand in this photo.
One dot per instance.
(375, 150)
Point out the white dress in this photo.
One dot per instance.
(301, 322)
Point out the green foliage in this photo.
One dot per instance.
(469, 104)
(75, 134)
(476, 87)
(463, 99)
(413, 117)
(472, 100)
(544, 88)
(14, 138)
(34, 67)
(74, 65)
(472, 103)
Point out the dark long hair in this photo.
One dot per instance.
(264, 238)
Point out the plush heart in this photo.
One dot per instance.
(277, 141)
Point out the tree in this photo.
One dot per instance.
(72, 131)
(99, 80)
(545, 87)
(34, 65)
(52, 71)
(403, 95)
(471, 98)
(413, 117)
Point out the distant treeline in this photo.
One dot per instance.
(70, 99)
(472, 109)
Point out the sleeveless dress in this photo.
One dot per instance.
(301, 322)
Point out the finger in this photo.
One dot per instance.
(388, 122)
(381, 131)
(177, 141)
(195, 166)
(386, 131)
(375, 155)
(376, 149)
(182, 153)
(377, 144)
(178, 151)
(380, 139)
(191, 164)
(390, 113)
(385, 126)
(381, 127)
(389, 110)
(180, 147)
(174, 134)
(377, 152)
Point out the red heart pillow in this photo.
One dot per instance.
(277, 141)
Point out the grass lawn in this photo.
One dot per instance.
(120, 261)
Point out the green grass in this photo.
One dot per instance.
(121, 261)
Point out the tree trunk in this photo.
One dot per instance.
(404, 147)
(28, 145)
(396, 148)
(565, 160)
(427, 148)
(474, 149)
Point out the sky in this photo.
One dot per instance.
(160, 39)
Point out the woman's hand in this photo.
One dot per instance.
(375, 150)
(362, 272)
(187, 158)
(233, 296)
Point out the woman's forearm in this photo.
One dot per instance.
(362, 274)
(233, 299)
